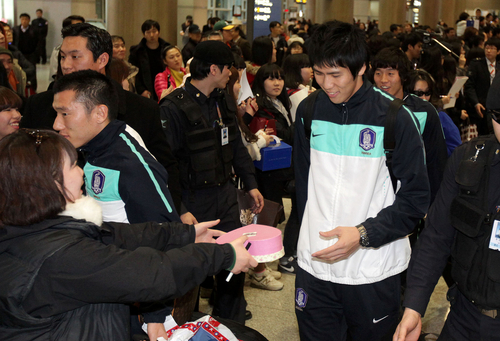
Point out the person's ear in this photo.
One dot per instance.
(103, 60)
(101, 113)
(362, 70)
(213, 69)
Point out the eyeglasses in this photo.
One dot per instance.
(420, 93)
(495, 114)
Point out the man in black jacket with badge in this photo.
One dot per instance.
(200, 125)
(463, 222)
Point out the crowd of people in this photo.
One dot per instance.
(152, 145)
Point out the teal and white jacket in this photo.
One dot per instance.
(125, 179)
(342, 180)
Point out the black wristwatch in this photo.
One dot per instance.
(363, 236)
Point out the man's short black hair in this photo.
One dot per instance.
(273, 24)
(91, 89)
(98, 40)
(411, 39)
(200, 69)
(493, 42)
(39, 10)
(149, 24)
(394, 58)
(69, 20)
(338, 44)
(25, 15)
(393, 28)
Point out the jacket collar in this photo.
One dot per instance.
(358, 97)
(199, 96)
(101, 142)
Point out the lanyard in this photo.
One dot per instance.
(220, 122)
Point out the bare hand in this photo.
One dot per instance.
(269, 131)
(410, 326)
(445, 99)
(258, 200)
(347, 244)
(167, 91)
(464, 115)
(479, 109)
(156, 330)
(204, 234)
(244, 259)
(146, 94)
(252, 106)
(188, 218)
(269, 139)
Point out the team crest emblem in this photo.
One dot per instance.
(97, 181)
(367, 139)
(301, 298)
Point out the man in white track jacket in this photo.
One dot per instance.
(353, 245)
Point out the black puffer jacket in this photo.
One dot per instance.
(67, 279)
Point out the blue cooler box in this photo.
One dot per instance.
(275, 157)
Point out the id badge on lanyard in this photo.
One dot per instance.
(224, 132)
(495, 236)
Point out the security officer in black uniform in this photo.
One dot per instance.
(464, 221)
(201, 128)
(42, 26)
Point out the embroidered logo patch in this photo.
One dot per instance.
(97, 181)
(367, 139)
(301, 298)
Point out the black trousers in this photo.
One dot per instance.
(330, 311)
(41, 50)
(221, 202)
(465, 322)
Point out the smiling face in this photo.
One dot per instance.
(75, 56)
(273, 87)
(338, 82)
(389, 81)
(173, 59)
(9, 121)
(73, 122)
